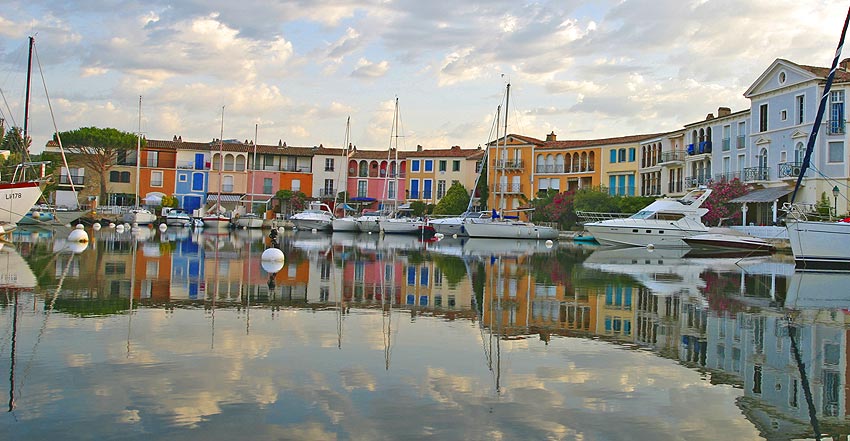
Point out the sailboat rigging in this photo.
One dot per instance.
(218, 219)
(250, 219)
(344, 223)
(139, 215)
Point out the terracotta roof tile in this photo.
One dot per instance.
(567, 144)
(454, 152)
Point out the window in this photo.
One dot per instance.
(114, 176)
(801, 108)
(783, 115)
(441, 189)
(763, 118)
(228, 162)
(613, 158)
(429, 165)
(632, 154)
(414, 165)
(328, 188)
(621, 155)
(836, 112)
(442, 165)
(391, 189)
(267, 186)
(156, 178)
(153, 159)
(296, 185)
(726, 141)
(125, 176)
(836, 151)
(227, 184)
(742, 134)
(183, 177)
(456, 166)
(782, 77)
(329, 164)
(362, 188)
(426, 188)
(414, 189)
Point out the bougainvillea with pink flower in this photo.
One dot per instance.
(719, 208)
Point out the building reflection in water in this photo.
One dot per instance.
(733, 319)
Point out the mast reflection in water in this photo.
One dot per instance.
(360, 336)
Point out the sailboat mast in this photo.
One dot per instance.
(27, 100)
(138, 151)
(253, 172)
(504, 149)
(395, 175)
(220, 160)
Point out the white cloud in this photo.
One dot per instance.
(368, 69)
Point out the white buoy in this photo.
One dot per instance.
(313, 230)
(650, 247)
(96, 226)
(454, 236)
(271, 266)
(439, 235)
(36, 214)
(273, 255)
(163, 227)
(126, 225)
(78, 235)
(112, 225)
(549, 243)
(119, 228)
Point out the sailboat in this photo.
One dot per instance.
(344, 223)
(139, 215)
(402, 220)
(499, 226)
(19, 194)
(818, 244)
(249, 219)
(218, 219)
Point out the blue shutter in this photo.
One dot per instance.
(414, 188)
(612, 184)
(621, 185)
(632, 155)
(426, 189)
(199, 161)
(631, 190)
(613, 156)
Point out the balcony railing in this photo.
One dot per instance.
(674, 156)
(696, 181)
(77, 179)
(756, 174)
(327, 193)
(789, 169)
(699, 149)
(836, 127)
(507, 188)
(726, 177)
(508, 164)
(190, 165)
(550, 168)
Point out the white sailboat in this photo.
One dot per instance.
(402, 220)
(818, 244)
(139, 215)
(344, 223)
(218, 218)
(500, 226)
(249, 219)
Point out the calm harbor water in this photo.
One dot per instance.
(189, 335)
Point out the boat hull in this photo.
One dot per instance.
(311, 224)
(216, 222)
(17, 199)
(141, 217)
(371, 225)
(401, 226)
(820, 245)
(178, 221)
(724, 242)
(249, 222)
(643, 234)
(509, 230)
(348, 224)
(449, 226)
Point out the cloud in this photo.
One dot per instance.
(368, 69)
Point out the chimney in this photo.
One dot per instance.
(551, 137)
(709, 116)
(456, 148)
(175, 139)
(180, 138)
(723, 111)
(845, 65)
(418, 148)
(280, 143)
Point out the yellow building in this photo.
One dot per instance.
(433, 171)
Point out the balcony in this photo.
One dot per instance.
(756, 174)
(789, 169)
(836, 127)
(674, 156)
(507, 164)
(188, 165)
(76, 179)
(550, 168)
(704, 147)
(728, 176)
(327, 193)
(696, 181)
(507, 188)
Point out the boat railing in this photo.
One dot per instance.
(803, 212)
(594, 216)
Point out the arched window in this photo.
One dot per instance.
(540, 164)
(559, 163)
(591, 160)
(216, 161)
(228, 162)
(762, 158)
(352, 168)
(240, 163)
(799, 153)
(364, 169)
(373, 169)
(583, 161)
(550, 164)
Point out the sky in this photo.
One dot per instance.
(295, 71)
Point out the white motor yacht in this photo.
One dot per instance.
(141, 216)
(662, 223)
(178, 218)
(317, 217)
(249, 220)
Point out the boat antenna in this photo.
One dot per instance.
(819, 117)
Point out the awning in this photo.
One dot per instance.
(224, 198)
(769, 194)
(361, 199)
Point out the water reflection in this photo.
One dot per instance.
(473, 326)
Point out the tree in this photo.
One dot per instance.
(456, 201)
(555, 207)
(13, 141)
(596, 201)
(97, 149)
(719, 208)
(291, 201)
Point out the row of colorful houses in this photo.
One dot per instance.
(762, 146)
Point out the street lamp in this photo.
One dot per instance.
(835, 198)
